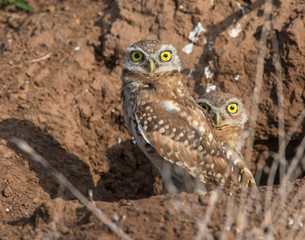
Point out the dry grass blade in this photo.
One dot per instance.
(62, 180)
(296, 160)
(294, 127)
(280, 215)
(283, 190)
(285, 143)
(277, 213)
(258, 79)
(203, 225)
(229, 220)
(254, 110)
(280, 97)
(244, 210)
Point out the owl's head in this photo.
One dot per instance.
(151, 58)
(223, 108)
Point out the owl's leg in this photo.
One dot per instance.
(158, 187)
(176, 179)
(166, 173)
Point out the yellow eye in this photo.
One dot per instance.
(205, 106)
(166, 56)
(136, 56)
(232, 108)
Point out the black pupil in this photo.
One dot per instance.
(137, 55)
(205, 107)
(165, 55)
(232, 107)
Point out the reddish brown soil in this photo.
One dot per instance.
(60, 91)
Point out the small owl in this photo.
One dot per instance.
(229, 117)
(167, 123)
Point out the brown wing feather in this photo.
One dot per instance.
(178, 140)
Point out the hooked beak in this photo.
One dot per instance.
(151, 66)
(218, 119)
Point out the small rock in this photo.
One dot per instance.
(7, 192)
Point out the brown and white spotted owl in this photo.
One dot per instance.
(167, 123)
(229, 117)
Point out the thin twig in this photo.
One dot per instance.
(243, 212)
(294, 127)
(229, 220)
(42, 58)
(266, 28)
(203, 225)
(281, 215)
(289, 135)
(282, 191)
(258, 79)
(280, 102)
(61, 179)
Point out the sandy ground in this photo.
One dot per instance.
(60, 85)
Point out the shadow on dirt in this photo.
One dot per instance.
(68, 164)
(130, 175)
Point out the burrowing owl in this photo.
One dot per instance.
(168, 125)
(229, 116)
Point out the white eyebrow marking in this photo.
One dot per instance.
(136, 48)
